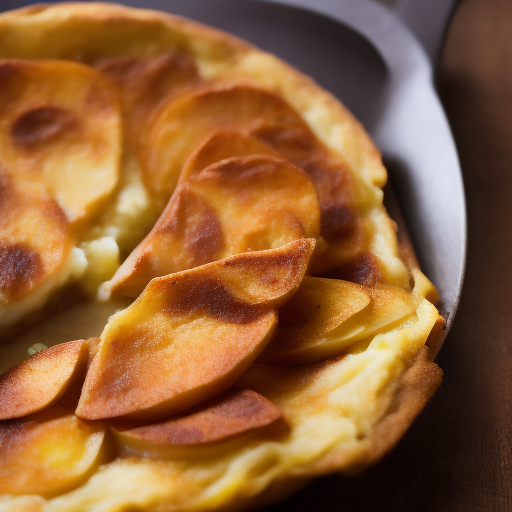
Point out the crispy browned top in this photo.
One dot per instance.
(193, 334)
(193, 220)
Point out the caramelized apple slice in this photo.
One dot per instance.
(221, 146)
(42, 379)
(389, 307)
(235, 206)
(150, 365)
(262, 202)
(267, 278)
(319, 307)
(61, 125)
(231, 419)
(186, 121)
(188, 230)
(326, 316)
(190, 335)
(48, 453)
(34, 240)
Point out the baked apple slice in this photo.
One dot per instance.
(189, 336)
(234, 206)
(231, 419)
(144, 82)
(61, 125)
(48, 452)
(389, 307)
(35, 247)
(326, 316)
(42, 379)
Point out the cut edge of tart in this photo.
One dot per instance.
(336, 399)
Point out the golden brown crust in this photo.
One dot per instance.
(414, 389)
(163, 28)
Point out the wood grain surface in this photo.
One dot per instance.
(457, 455)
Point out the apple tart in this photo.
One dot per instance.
(195, 252)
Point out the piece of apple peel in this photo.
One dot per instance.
(230, 420)
(48, 453)
(42, 379)
(189, 336)
(326, 316)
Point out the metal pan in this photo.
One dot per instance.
(371, 61)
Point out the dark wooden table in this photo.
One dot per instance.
(457, 455)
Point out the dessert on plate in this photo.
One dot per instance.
(194, 251)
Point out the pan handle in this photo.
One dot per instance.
(427, 19)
